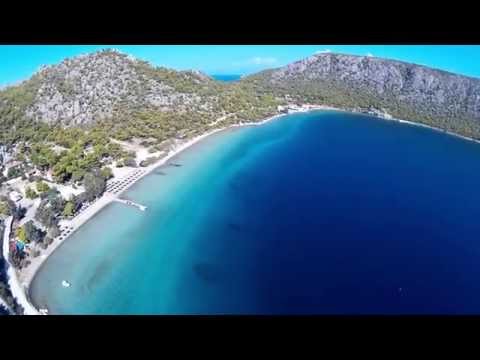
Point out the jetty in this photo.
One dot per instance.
(131, 203)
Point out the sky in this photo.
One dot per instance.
(19, 62)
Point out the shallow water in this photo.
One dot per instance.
(321, 212)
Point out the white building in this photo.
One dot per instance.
(4, 155)
(15, 196)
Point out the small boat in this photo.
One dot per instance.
(65, 283)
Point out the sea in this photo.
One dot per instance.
(322, 212)
(227, 77)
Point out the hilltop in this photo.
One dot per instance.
(408, 91)
(111, 89)
(128, 96)
(92, 87)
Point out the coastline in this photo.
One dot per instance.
(463, 137)
(27, 275)
(388, 117)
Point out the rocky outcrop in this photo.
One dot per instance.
(112, 85)
(92, 87)
(420, 88)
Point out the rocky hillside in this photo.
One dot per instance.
(405, 90)
(127, 98)
(92, 87)
(130, 98)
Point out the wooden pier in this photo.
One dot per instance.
(131, 203)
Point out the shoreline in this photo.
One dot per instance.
(463, 137)
(388, 117)
(27, 275)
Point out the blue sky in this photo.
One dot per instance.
(18, 62)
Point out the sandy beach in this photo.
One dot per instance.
(26, 275)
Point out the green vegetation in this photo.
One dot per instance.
(43, 156)
(338, 94)
(106, 173)
(55, 200)
(94, 184)
(42, 186)
(130, 161)
(84, 151)
(14, 101)
(45, 215)
(4, 209)
(183, 82)
(30, 193)
(29, 233)
(69, 209)
(32, 233)
(9, 208)
(21, 234)
(14, 171)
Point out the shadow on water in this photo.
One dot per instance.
(159, 172)
(242, 180)
(235, 227)
(207, 272)
(235, 185)
(99, 273)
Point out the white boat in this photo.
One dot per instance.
(65, 283)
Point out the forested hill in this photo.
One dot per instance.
(96, 86)
(404, 90)
(127, 96)
(130, 98)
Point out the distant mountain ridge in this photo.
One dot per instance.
(109, 85)
(417, 92)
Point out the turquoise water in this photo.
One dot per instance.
(321, 212)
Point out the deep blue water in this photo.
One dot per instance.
(315, 213)
(227, 78)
